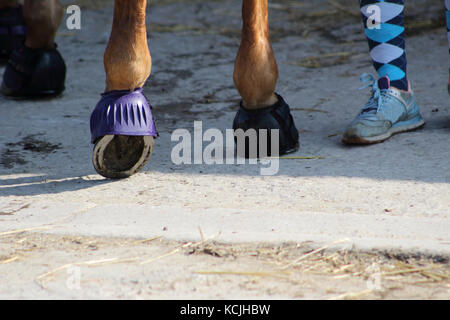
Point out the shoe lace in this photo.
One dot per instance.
(379, 96)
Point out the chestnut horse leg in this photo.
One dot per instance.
(42, 18)
(127, 58)
(255, 77)
(256, 71)
(9, 4)
(123, 147)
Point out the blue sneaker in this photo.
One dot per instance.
(389, 111)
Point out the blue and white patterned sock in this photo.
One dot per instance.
(385, 31)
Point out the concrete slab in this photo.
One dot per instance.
(391, 195)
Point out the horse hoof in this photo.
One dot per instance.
(123, 131)
(119, 157)
(34, 73)
(275, 117)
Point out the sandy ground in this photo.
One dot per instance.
(224, 231)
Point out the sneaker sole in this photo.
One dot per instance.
(399, 127)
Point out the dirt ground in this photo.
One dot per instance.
(71, 267)
(342, 223)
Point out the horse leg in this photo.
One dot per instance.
(9, 4)
(256, 71)
(127, 57)
(12, 27)
(255, 77)
(35, 67)
(42, 18)
(122, 125)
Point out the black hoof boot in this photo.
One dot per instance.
(277, 116)
(12, 31)
(34, 73)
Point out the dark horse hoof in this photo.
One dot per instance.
(12, 31)
(123, 131)
(275, 117)
(34, 73)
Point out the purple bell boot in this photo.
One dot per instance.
(123, 131)
(12, 31)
